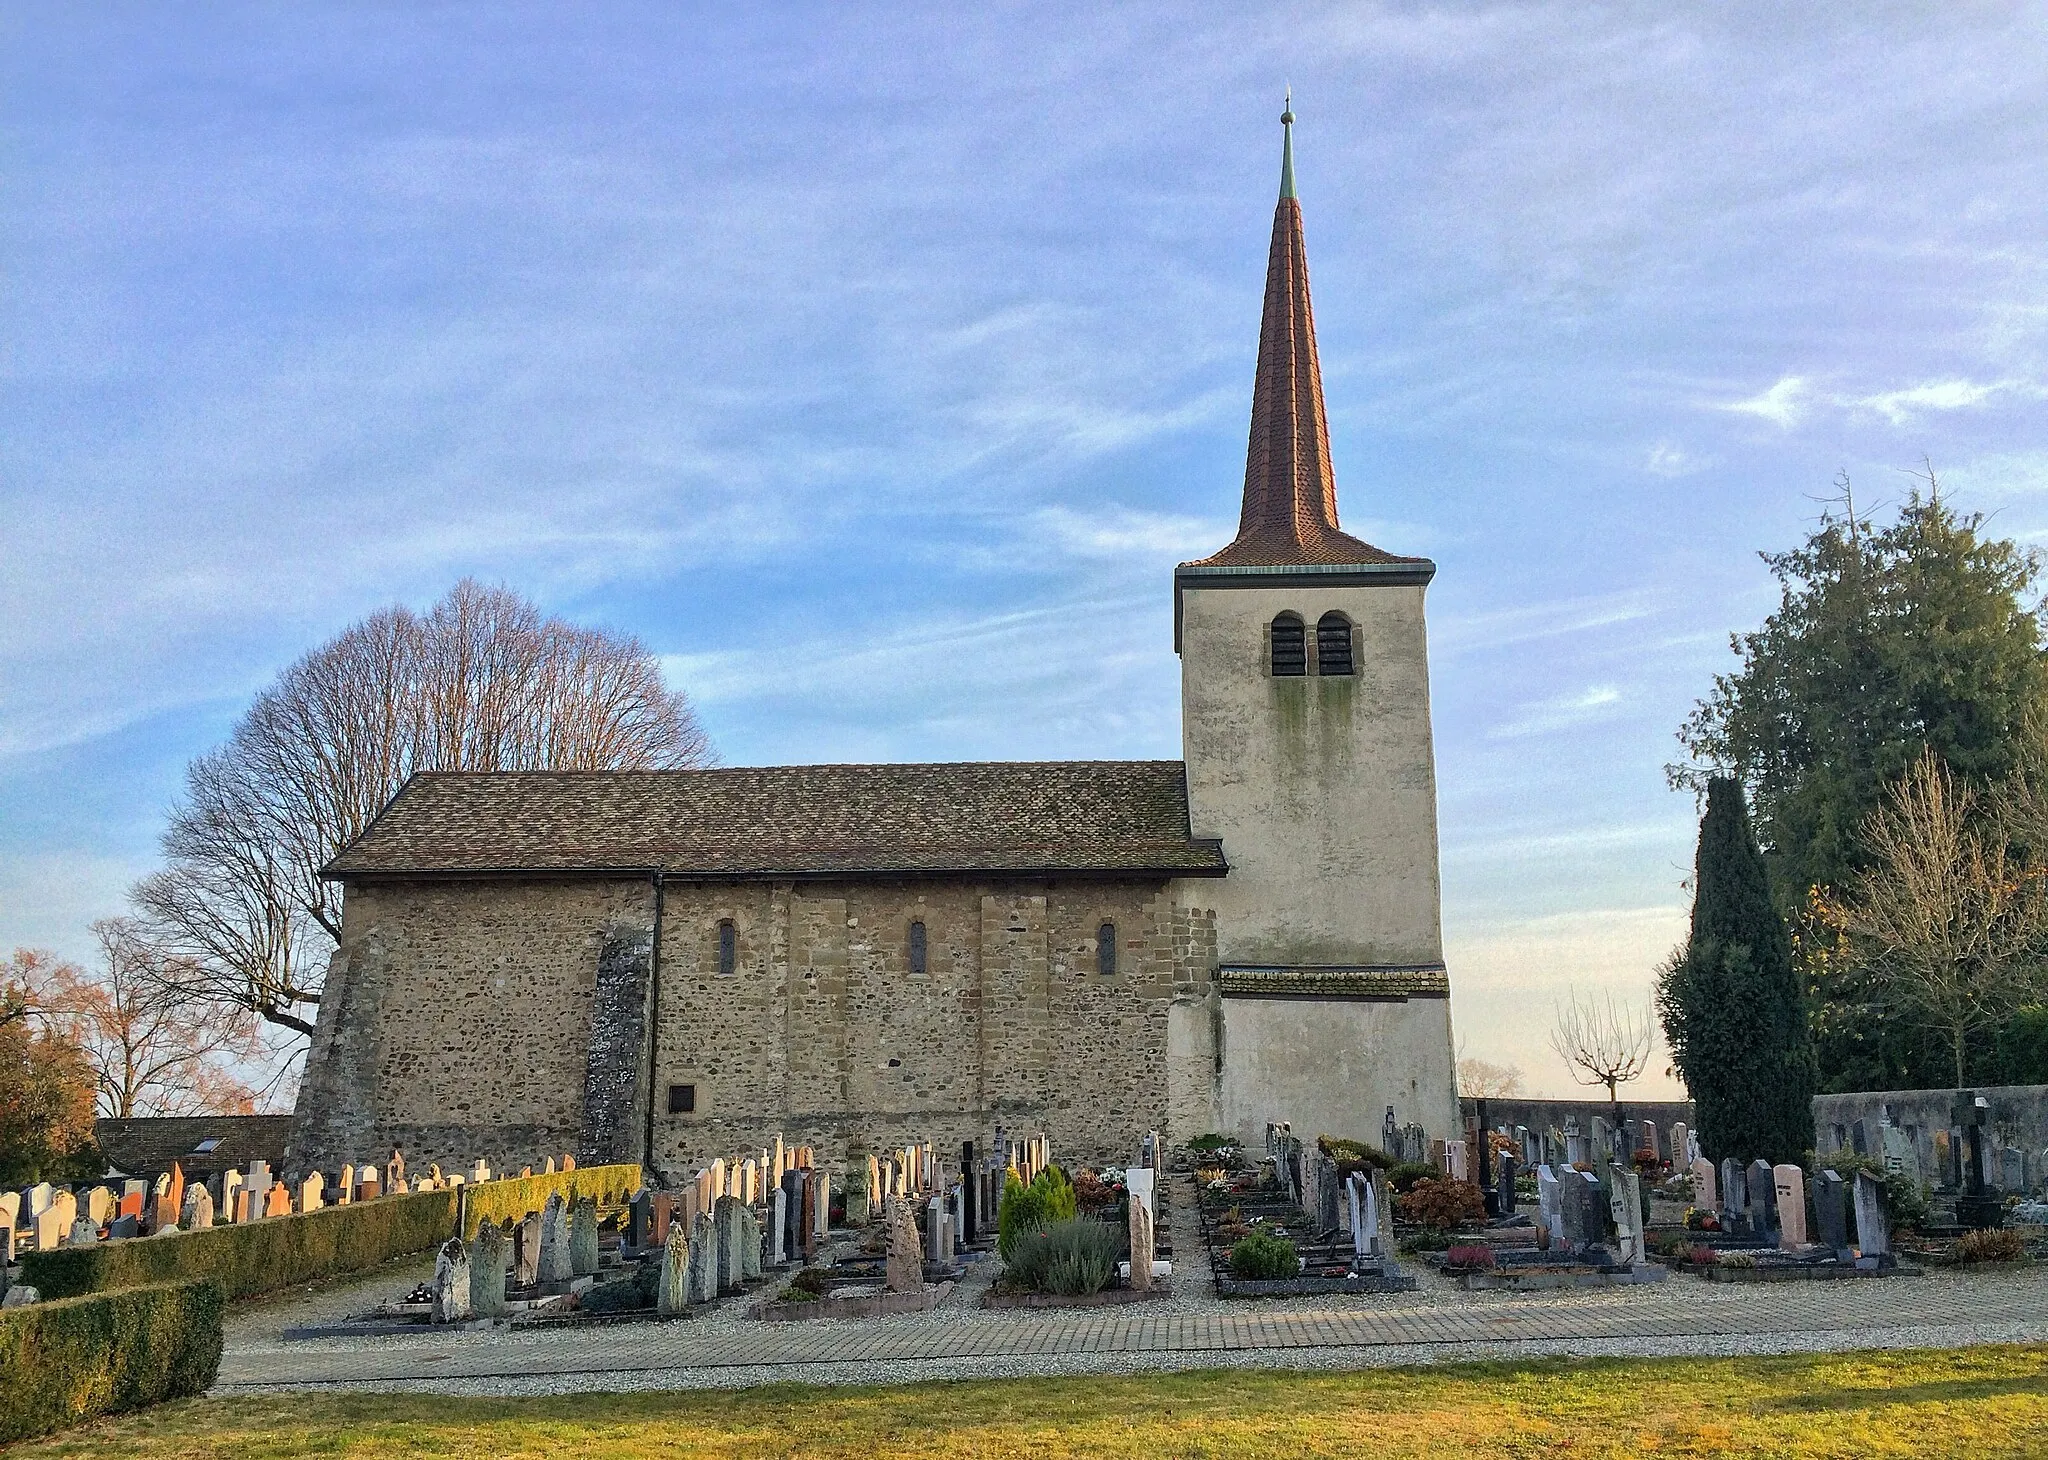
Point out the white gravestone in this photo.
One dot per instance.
(1790, 1184)
(1705, 1190)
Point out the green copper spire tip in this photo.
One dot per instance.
(1287, 147)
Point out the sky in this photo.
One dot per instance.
(875, 364)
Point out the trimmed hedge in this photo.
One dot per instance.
(258, 1257)
(69, 1360)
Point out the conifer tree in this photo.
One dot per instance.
(1730, 1001)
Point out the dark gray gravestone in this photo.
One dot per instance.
(1504, 1193)
(1390, 1135)
(123, 1228)
(2012, 1170)
(1859, 1139)
(1831, 1222)
(792, 1226)
(1734, 1195)
(1572, 1208)
(1873, 1224)
(970, 1215)
(640, 1220)
(1763, 1197)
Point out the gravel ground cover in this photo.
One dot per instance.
(723, 1349)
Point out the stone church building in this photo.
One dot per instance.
(671, 965)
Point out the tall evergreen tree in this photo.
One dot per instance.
(1730, 1000)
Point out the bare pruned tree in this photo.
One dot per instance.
(480, 682)
(1603, 1043)
(1948, 924)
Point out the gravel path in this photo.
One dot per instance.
(721, 1348)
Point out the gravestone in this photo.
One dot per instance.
(1763, 1199)
(6, 1249)
(84, 1233)
(934, 1235)
(1831, 1222)
(1679, 1147)
(1646, 1140)
(1574, 1147)
(555, 1268)
(1625, 1208)
(778, 1233)
(451, 1283)
(1504, 1189)
(50, 1228)
(1571, 1209)
(725, 1217)
(1788, 1196)
(2012, 1170)
(122, 1228)
(526, 1251)
(821, 1194)
(10, 1208)
(672, 1295)
(480, 1172)
(487, 1272)
(703, 1258)
(1456, 1160)
(1734, 1195)
(1602, 1153)
(277, 1200)
(640, 1221)
(99, 1205)
(198, 1213)
(1142, 1246)
(39, 1198)
(903, 1270)
(1593, 1205)
(1900, 1154)
(1549, 1209)
(1390, 1135)
(1873, 1224)
(313, 1193)
(1859, 1139)
(750, 1244)
(664, 1209)
(793, 1200)
(1532, 1148)
(583, 1237)
(1704, 1195)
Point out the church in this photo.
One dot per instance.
(668, 966)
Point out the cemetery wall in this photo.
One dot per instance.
(1541, 1115)
(2018, 1119)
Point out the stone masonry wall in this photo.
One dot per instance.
(467, 1019)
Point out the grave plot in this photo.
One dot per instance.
(1297, 1224)
(1766, 1223)
(1584, 1233)
(1090, 1241)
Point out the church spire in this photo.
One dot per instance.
(1290, 491)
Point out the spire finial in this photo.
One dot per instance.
(1287, 147)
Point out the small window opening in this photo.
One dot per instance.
(728, 948)
(917, 948)
(1333, 644)
(1105, 949)
(682, 1099)
(1290, 647)
(208, 1146)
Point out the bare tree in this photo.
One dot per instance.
(151, 1051)
(1603, 1043)
(1483, 1080)
(1947, 925)
(480, 682)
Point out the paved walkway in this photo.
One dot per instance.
(1844, 1314)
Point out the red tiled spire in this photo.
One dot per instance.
(1290, 492)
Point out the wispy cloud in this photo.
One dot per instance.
(1566, 712)
(1459, 633)
(1900, 406)
(1795, 398)
(1783, 404)
(1668, 459)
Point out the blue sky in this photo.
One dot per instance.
(875, 365)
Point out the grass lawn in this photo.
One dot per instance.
(1976, 1402)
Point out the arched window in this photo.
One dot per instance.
(1105, 940)
(1333, 644)
(728, 947)
(917, 947)
(1290, 646)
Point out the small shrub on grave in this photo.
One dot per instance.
(1048, 1199)
(1203, 1144)
(807, 1286)
(626, 1294)
(1906, 1201)
(1429, 1239)
(1353, 1155)
(1671, 1244)
(68, 1360)
(1404, 1177)
(1990, 1244)
(1743, 1260)
(1472, 1256)
(1702, 1256)
(1263, 1258)
(1701, 1221)
(1096, 1194)
(1441, 1202)
(1071, 1258)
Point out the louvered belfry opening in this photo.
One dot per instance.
(1290, 647)
(1333, 644)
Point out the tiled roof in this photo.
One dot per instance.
(1290, 489)
(1085, 817)
(147, 1145)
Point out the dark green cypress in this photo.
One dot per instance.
(1731, 1004)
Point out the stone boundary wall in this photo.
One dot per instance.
(1538, 1115)
(2018, 1121)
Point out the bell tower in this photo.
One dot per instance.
(1306, 734)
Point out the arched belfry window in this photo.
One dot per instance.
(1333, 644)
(917, 948)
(728, 948)
(1290, 646)
(1105, 939)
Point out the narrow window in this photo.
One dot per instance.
(682, 1099)
(917, 948)
(1333, 644)
(1105, 938)
(728, 948)
(1290, 647)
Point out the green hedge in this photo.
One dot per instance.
(258, 1257)
(67, 1361)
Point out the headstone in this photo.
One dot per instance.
(1571, 1209)
(1625, 1209)
(480, 1172)
(10, 1208)
(1456, 1161)
(703, 1258)
(1734, 1195)
(555, 1269)
(2012, 1170)
(1603, 1143)
(1789, 1201)
(198, 1213)
(640, 1220)
(84, 1232)
(750, 1244)
(277, 1201)
(1900, 1154)
(1646, 1140)
(1142, 1246)
(1704, 1195)
(792, 1201)
(1532, 1148)
(1859, 1139)
(903, 1269)
(1439, 1156)
(821, 1193)
(228, 1203)
(1873, 1223)
(1504, 1189)
(39, 1198)
(1678, 1150)
(582, 1237)
(1831, 1222)
(312, 1193)
(100, 1205)
(1574, 1147)
(526, 1251)
(122, 1228)
(6, 1250)
(725, 1216)
(451, 1283)
(672, 1294)
(368, 1185)
(487, 1272)
(1762, 1197)
(50, 1228)
(1144, 1186)
(934, 1234)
